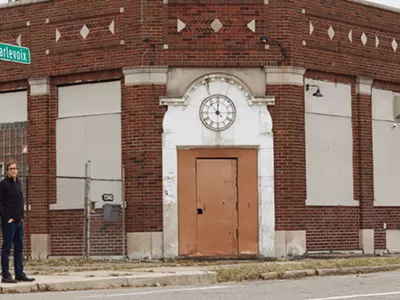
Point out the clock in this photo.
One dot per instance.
(217, 112)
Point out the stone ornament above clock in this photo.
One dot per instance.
(217, 112)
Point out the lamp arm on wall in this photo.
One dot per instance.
(267, 39)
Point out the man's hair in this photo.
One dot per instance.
(10, 163)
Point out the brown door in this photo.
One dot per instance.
(217, 219)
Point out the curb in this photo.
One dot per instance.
(296, 274)
(187, 278)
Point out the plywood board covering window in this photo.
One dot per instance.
(386, 148)
(88, 128)
(329, 145)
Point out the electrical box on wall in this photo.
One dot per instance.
(396, 107)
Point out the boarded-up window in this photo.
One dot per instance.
(88, 128)
(386, 148)
(329, 145)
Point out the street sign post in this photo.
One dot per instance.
(15, 53)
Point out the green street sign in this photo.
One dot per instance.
(15, 54)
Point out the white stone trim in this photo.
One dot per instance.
(145, 75)
(182, 101)
(40, 246)
(367, 241)
(268, 100)
(344, 203)
(251, 100)
(182, 128)
(144, 245)
(376, 5)
(285, 75)
(336, 251)
(174, 101)
(290, 243)
(364, 86)
(39, 86)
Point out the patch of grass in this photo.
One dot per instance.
(51, 266)
(227, 270)
(254, 271)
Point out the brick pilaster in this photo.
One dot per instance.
(287, 85)
(142, 119)
(363, 98)
(38, 153)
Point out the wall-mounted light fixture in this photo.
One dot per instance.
(318, 93)
(267, 40)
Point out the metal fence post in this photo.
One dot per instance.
(89, 203)
(123, 212)
(27, 220)
(85, 221)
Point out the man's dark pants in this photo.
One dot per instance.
(12, 234)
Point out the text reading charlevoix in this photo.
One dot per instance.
(15, 54)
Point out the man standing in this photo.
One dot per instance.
(12, 217)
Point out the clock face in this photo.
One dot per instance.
(217, 112)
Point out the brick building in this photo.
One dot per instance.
(212, 107)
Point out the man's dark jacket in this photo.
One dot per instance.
(11, 200)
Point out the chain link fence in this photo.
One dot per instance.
(68, 216)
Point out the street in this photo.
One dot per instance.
(380, 286)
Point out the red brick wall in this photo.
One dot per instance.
(66, 232)
(289, 156)
(142, 30)
(142, 118)
(38, 161)
(339, 55)
(337, 228)
(332, 228)
(67, 237)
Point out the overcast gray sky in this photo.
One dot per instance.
(394, 3)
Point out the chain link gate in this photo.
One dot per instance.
(104, 229)
(82, 221)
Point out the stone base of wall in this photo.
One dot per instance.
(40, 246)
(290, 243)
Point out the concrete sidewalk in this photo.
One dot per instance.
(62, 280)
(113, 279)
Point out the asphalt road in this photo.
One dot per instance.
(381, 286)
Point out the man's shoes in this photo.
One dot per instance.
(23, 277)
(8, 279)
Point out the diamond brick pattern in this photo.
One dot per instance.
(84, 32)
(395, 45)
(216, 25)
(331, 32)
(364, 38)
(89, 30)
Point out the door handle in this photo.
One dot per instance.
(199, 211)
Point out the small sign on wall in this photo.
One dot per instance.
(108, 197)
